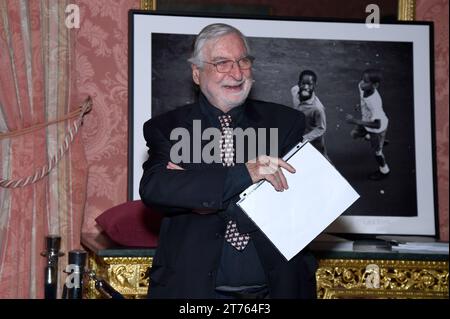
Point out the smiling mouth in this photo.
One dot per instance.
(305, 92)
(237, 87)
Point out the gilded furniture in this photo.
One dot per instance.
(124, 268)
(366, 274)
(382, 274)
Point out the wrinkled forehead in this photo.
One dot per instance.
(228, 46)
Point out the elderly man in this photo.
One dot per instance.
(208, 247)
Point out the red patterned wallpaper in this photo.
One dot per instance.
(101, 54)
(102, 72)
(437, 11)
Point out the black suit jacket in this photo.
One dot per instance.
(190, 243)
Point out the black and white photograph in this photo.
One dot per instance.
(337, 57)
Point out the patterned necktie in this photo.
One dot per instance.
(232, 235)
(226, 141)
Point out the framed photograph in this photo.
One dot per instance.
(404, 203)
(354, 9)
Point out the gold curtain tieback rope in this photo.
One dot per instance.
(72, 131)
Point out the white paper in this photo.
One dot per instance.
(317, 195)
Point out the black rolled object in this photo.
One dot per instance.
(75, 270)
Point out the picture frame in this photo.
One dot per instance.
(403, 204)
(404, 10)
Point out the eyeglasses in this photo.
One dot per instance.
(226, 66)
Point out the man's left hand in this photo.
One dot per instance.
(269, 168)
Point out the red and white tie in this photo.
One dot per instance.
(232, 235)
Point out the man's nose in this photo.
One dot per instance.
(236, 71)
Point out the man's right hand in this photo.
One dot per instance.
(171, 165)
(269, 168)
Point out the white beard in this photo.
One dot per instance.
(242, 95)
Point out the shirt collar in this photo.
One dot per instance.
(212, 113)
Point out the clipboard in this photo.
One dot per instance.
(317, 195)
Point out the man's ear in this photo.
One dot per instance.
(195, 74)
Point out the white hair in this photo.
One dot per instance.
(210, 32)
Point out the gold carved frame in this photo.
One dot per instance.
(382, 279)
(148, 4)
(406, 8)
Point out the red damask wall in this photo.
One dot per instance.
(101, 57)
(102, 67)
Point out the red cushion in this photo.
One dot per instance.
(131, 224)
